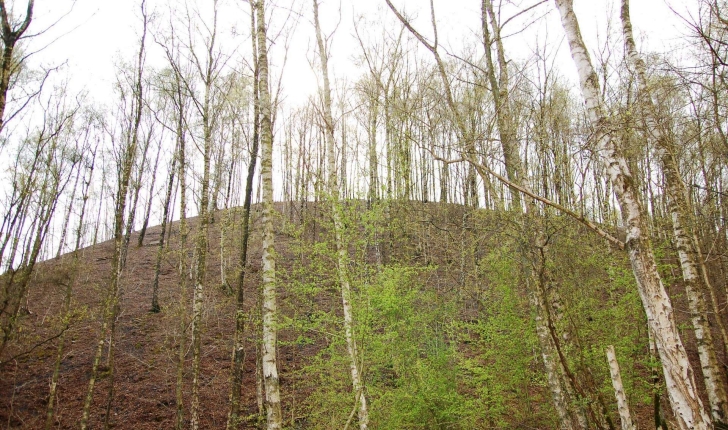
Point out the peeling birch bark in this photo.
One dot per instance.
(548, 355)
(678, 206)
(679, 375)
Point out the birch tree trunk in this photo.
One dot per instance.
(162, 235)
(373, 156)
(67, 216)
(679, 208)
(556, 374)
(183, 232)
(270, 306)
(562, 392)
(148, 210)
(136, 185)
(679, 379)
(622, 405)
(551, 364)
(501, 101)
(341, 251)
(10, 34)
(50, 409)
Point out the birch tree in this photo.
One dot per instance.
(180, 102)
(162, 235)
(10, 32)
(563, 390)
(87, 172)
(38, 183)
(678, 373)
(127, 157)
(208, 69)
(269, 305)
(680, 211)
(342, 261)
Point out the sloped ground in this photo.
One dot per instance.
(147, 343)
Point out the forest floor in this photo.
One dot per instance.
(147, 343)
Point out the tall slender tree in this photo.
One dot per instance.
(270, 303)
(128, 155)
(342, 261)
(680, 210)
(238, 340)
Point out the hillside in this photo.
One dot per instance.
(442, 317)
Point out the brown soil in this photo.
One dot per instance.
(146, 344)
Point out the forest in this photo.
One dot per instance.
(455, 236)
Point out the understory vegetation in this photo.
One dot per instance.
(455, 235)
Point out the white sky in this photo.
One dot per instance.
(96, 32)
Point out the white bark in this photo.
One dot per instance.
(622, 405)
(270, 306)
(342, 257)
(558, 383)
(551, 364)
(203, 228)
(679, 210)
(679, 379)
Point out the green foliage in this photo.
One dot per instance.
(601, 307)
(410, 364)
(408, 360)
(498, 353)
(449, 341)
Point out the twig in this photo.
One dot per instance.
(483, 170)
(16, 356)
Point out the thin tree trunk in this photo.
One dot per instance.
(558, 382)
(15, 286)
(136, 188)
(341, 249)
(373, 156)
(558, 394)
(145, 222)
(201, 245)
(680, 210)
(622, 405)
(183, 268)
(9, 63)
(50, 409)
(67, 216)
(501, 99)
(111, 307)
(239, 339)
(162, 235)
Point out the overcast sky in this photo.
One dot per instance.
(95, 33)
